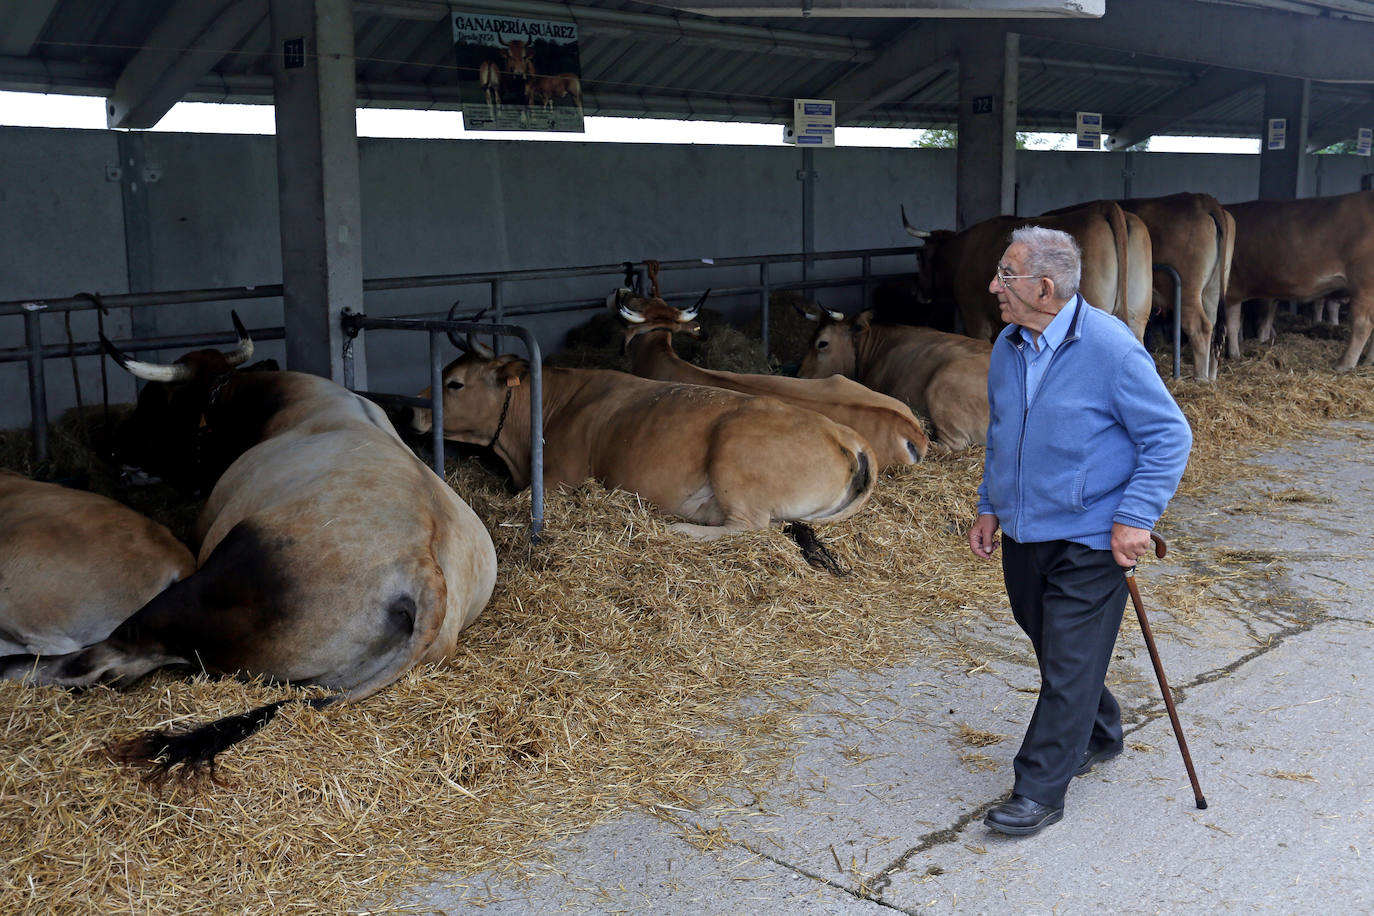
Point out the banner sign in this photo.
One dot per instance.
(518, 74)
(1278, 133)
(813, 123)
(1089, 130)
(1364, 140)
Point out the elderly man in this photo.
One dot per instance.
(1085, 448)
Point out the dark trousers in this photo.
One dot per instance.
(1068, 599)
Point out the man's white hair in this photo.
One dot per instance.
(1053, 254)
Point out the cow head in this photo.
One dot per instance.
(642, 314)
(476, 399)
(193, 420)
(519, 57)
(835, 345)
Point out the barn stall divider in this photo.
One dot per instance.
(36, 353)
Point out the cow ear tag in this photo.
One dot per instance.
(512, 381)
(203, 422)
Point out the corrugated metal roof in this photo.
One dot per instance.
(659, 62)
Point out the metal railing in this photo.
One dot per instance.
(352, 324)
(36, 353)
(1178, 317)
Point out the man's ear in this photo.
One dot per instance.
(1048, 287)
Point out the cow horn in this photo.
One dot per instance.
(149, 372)
(912, 230)
(630, 315)
(244, 351)
(805, 312)
(463, 345)
(834, 315)
(689, 314)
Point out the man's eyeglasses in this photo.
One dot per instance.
(1005, 278)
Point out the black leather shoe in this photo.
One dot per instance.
(1094, 756)
(1021, 816)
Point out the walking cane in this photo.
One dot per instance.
(1160, 549)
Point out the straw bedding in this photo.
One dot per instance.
(607, 673)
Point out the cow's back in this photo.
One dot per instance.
(1300, 249)
(74, 565)
(900, 360)
(713, 456)
(349, 527)
(886, 423)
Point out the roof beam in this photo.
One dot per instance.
(888, 76)
(1212, 88)
(994, 9)
(1319, 138)
(1282, 44)
(24, 21)
(188, 41)
(653, 26)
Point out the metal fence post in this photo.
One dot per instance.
(765, 293)
(38, 393)
(1178, 316)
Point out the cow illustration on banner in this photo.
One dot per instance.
(518, 74)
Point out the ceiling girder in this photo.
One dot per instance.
(1210, 89)
(596, 20)
(1282, 44)
(1319, 138)
(185, 45)
(24, 21)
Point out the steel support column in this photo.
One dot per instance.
(318, 184)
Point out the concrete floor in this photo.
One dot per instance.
(882, 808)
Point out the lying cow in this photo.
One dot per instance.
(329, 553)
(1314, 248)
(943, 376)
(957, 266)
(724, 461)
(73, 566)
(884, 422)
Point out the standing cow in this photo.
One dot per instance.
(884, 422)
(955, 267)
(329, 554)
(1314, 248)
(724, 461)
(943, 376)
(73, 566)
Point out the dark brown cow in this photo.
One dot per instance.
(329, 553)
(1315, 248)
(73, 566)
(943, 376)
(723, 460)
(955, 267)
(884, 422)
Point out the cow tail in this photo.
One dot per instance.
(185, 754)
(861, 476)
(1117, 218)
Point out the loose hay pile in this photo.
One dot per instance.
(607, 673)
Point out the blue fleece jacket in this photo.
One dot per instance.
(1102, 442)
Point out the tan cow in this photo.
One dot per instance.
(542, 90)
(724, 461)
(73, 566)
(1314, 248)
(1193, 234)
(885, 423)
(329, 553)
(943, 376)
(955, 267)
(492, 76)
